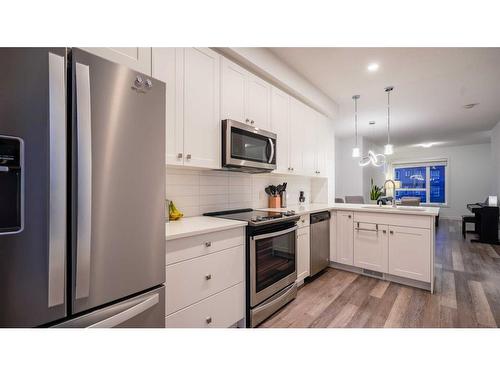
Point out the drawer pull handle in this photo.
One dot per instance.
(391, 232)
(179, 155)
(208, 243)
(208, 277)
(208, 320)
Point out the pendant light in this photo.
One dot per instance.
(389, 148)
(355, 150)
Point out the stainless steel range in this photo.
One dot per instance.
(271, 260)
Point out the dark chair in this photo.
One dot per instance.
(339, 200)
(467, 219)
(354, 199)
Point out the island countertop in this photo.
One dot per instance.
(317, 207)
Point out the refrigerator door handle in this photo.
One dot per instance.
(84, 181)
(57, 178)
(128, 314)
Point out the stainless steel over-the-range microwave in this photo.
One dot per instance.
(247, 148)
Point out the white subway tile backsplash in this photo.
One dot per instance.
(195, 192)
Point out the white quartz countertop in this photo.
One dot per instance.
(192, 226)
(317, 207)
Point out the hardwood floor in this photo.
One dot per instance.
(467, 293)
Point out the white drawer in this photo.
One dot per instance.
(221, 310)
(195, 279)
(303, 221)
(403, 220)
(203, 244)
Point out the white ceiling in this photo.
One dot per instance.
(431, 85)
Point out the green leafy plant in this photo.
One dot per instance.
(375, 191)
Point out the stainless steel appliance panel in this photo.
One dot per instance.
(118, 157)
(273, 263)
(247, 148)
(32, 259)
(144, 311)
(320, 242)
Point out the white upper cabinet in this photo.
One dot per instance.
(136, 58)
(245, 97)
(233, 91)
(324, 138)
(297, 130)
(309, 150)
(202, 130)
(280, 124)
(192, 76)
(258, 103)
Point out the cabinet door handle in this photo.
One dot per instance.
(247, 120)
(391, 232)
(208, 243)
(188, 156)
(384, 231)
(179, 155)
(349, 216)
(251, 121)
(208, 320)
(208, 277)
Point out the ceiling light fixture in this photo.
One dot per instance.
(355, 150)
(377, 160)
(389, 148)
(373, 67)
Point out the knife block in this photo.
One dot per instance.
(275, 202)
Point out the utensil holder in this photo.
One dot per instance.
(274, 202)
(283, 199)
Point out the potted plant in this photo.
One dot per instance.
(375, 192)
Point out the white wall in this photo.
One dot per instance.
(370, 171)
(195, 192)
(348, 174)
(495, 157)
(350, 178)
(470, 173)
(266, 64)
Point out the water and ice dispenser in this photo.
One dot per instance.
(11, 185)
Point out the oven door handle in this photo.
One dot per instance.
(274, 234)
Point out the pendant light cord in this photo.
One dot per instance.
(388, 90)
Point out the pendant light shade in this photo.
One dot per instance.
(355, 151)
(389, 148)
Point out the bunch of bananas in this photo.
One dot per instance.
(173, 212)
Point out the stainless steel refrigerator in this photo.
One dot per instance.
(82, 189)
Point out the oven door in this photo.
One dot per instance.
(247, 146)
(272, 263)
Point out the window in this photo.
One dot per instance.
(426, 180)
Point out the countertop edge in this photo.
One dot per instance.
(350, 208)
(196, 232)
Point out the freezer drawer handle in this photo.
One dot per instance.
(128, 314)
(57, 178)
(84, 181)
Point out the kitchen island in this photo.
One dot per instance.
(394, 244)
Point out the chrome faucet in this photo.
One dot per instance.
(394, 191)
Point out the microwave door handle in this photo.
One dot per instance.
(271, 143)
(84, 181)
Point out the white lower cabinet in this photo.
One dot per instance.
(410, 253)
(217, 311)
(371, 246)
(333, 236)
(345, 237)
(205, 280)
(303, 253)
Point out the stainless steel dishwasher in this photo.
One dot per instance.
(320, 242)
